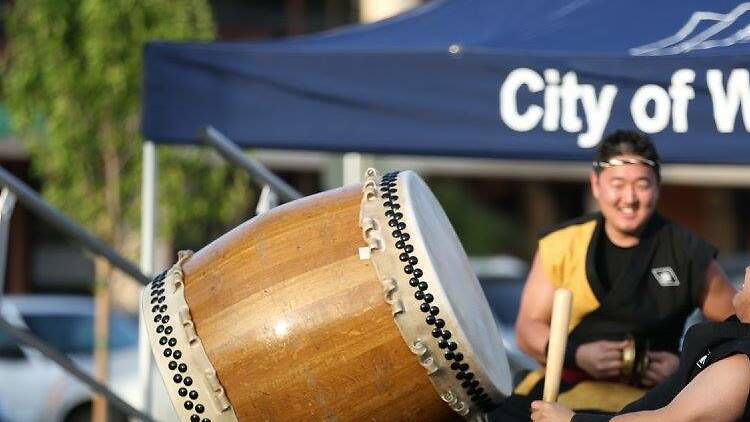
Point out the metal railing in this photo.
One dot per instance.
(34, 203)
(232, 153)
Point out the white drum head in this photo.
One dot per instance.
(460, 289)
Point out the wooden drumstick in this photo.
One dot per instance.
(558, 337)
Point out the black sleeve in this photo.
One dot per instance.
(588, 417)
(656, 398)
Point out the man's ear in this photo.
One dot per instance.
(594, 181)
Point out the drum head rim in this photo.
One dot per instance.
(387, 226)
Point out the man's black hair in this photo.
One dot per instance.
(623, 142)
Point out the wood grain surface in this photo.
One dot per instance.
(296, 325)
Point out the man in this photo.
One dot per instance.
(711, 384)
(635, 277)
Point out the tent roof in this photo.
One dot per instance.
(543, 27)
(428, 81)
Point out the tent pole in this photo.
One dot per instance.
(352, 168)
(148, 238)
(7, 203)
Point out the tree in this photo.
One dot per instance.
(73, 85)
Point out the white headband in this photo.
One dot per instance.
(613, 162)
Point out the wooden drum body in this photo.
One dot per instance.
(297, 315)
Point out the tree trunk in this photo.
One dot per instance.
(101, 335)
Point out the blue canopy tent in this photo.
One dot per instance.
(484, 78)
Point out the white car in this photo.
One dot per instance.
(34, 388)
(502, 278)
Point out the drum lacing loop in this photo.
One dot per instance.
(219, 396)
(371, 233)
(425, 357)
(457, 405)
(392, 296)
(370, 187)
(188, 325)
(370, 190)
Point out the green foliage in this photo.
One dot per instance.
(482, 230)
(73, 85)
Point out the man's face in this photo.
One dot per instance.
(741, 300)
(627, 195)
